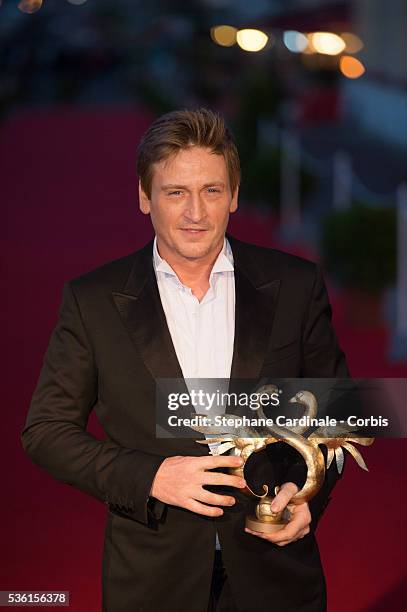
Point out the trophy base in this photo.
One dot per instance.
(253, 523)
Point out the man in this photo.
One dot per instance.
(191, 303)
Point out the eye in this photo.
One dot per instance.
(213, 190)
(176, 192)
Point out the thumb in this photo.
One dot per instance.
(286, 492)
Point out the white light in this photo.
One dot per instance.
(77, 2)
(327, 43)
(251, 40)
(295, 41)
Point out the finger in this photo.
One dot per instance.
(214, 498)
(304, 532)
(287, 491)
(227, 480)
(288, 532)
(300, 513)
(196, 506)
(264, 536)
(259, 534)
(269, 537)
(301, 535)
(291, 530)
(216, 461)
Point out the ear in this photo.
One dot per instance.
(144, 202)
(234, 201)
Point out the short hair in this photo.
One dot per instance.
(182, 129)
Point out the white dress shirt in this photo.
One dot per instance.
(202, 332)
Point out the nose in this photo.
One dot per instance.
(195, 208)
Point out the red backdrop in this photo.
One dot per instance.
(69, 204)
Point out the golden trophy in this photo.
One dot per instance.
(243, 441)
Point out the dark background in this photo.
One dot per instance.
(323, 175)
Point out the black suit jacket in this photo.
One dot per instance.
(110, 343)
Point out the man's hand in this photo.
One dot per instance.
(297, 527)
(179, 481)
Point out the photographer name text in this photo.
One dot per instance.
(202, 420)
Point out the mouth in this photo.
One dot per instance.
(193, 232)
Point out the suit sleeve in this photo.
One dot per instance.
(321, 358)
(55, 435)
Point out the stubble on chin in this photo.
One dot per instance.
(193, 252)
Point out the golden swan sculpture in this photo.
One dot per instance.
(243, 441)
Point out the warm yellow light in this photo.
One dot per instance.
(351, 67)
(327, 43)
(251, 40)
(352, 42)
(224, 35)
(29, 6)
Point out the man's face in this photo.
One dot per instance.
(190, 204)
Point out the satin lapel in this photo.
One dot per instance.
(141, 310)
(254, 318)
(256, 301)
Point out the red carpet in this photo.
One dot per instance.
(69, 204)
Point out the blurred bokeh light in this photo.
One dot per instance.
(351, 67)
(30, 6)
(295, 41)
(327, 43)
(251, 40)
(353, 43)
(224, 35)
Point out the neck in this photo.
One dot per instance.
(193, 273)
